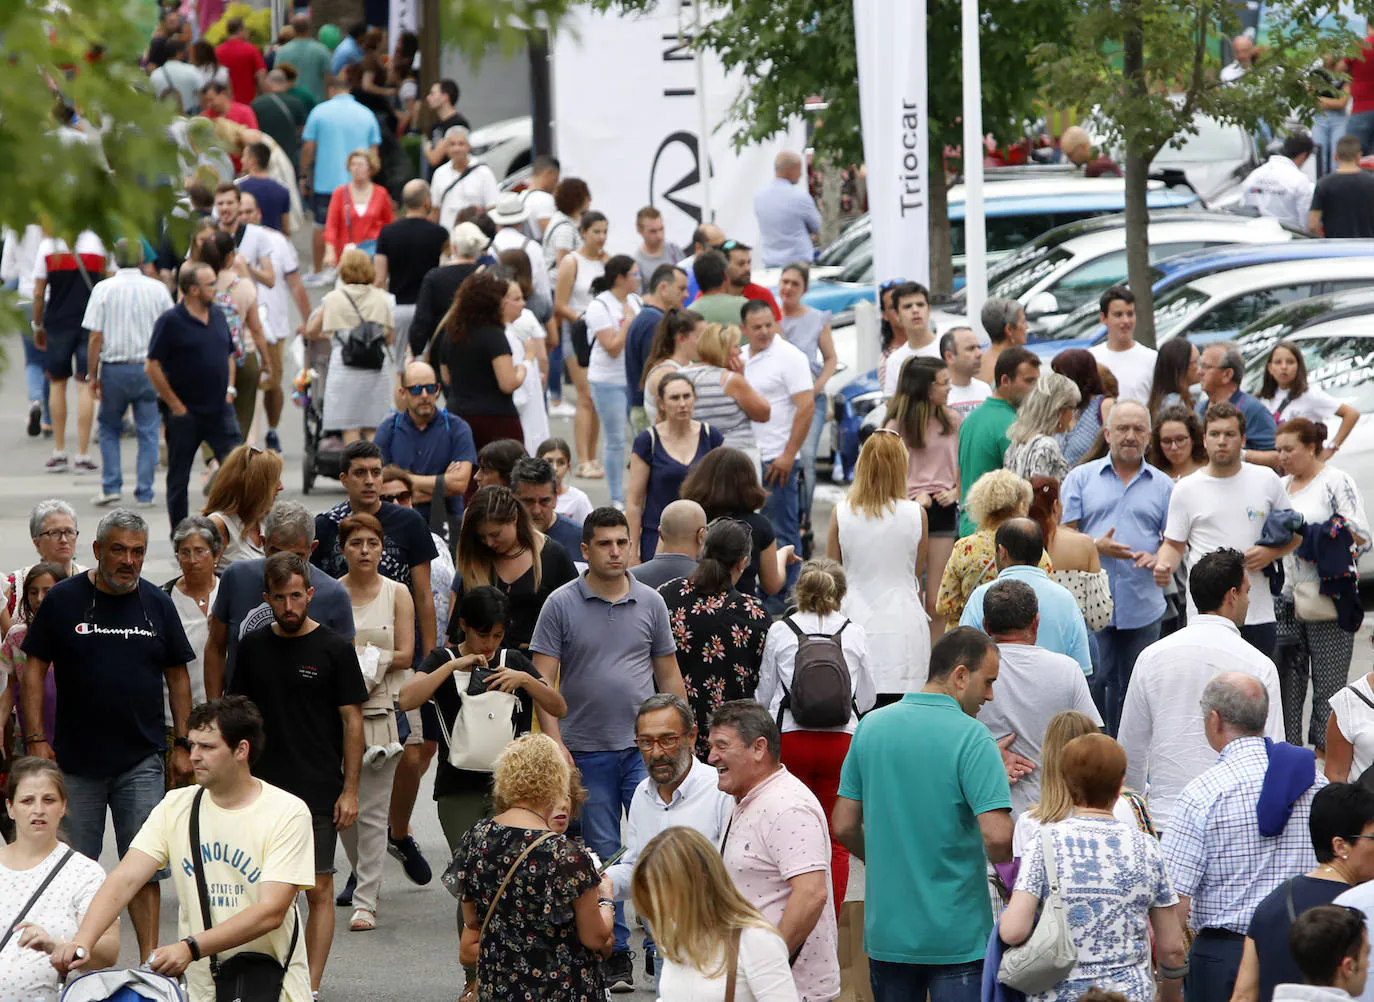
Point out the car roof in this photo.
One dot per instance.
(1292, 319)
(997, 203)
(1276, 273)
(1180, 267)
(1200, 226)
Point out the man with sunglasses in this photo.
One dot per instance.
(431, 444)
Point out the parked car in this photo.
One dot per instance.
(1071, 266)
(504, 146)
(1210, 295)
(1288, 321)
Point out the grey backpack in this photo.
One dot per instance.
(822, 694)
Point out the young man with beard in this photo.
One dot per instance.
(983, 433)
(305, 680)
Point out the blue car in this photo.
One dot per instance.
(1212, 294)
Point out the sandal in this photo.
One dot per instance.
(588, 470)
(362, 921)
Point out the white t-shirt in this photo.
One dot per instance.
(452, 195)
(763, 974)
(275, 302)
(1133, 368)
(26, 975)
(963, 399)
(540, 204)
(1209, 513)
(778, 373)
(603, 312)
(893, 370)
(574, 505)
(1314, 404)
(1355, 718)
(508, 238)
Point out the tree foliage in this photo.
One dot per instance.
(1162, 74)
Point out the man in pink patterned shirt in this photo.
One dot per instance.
(776, 845)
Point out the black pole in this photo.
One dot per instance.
(541, 92)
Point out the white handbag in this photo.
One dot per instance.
(484, 726)
(1049, 955)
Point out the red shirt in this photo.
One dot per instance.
(243, 60)
(755, 291)
(1362, 79)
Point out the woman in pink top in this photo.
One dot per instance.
(930, 431)
(357, 210)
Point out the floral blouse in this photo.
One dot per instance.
(720, 642)
(973, 562)
(531, 949)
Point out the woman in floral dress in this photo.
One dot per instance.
(719, 631)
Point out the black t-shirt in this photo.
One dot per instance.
(762, 531)
(1270, 924)
(412, 248)
(108, 654)
(437, 130)
(1346, 202)
(298, 684)
(437, 290)
(555, 570)
(194, 357)
(447, 700)
(472, 386)
(408, 541)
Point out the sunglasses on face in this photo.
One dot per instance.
(394, 498)
(422, 388)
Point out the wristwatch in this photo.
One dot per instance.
(182, 743)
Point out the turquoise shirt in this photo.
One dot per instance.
(924, 770)
(337, 127)
(982, 444)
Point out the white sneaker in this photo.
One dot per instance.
(319, 279)
(102, 499)
(562, 410)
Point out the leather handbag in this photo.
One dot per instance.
(1310, 605)
(1049, 955)
(363, 346)
(247, 976)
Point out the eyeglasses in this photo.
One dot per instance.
(62, 534)
(419, 388)
(668, 742)
(394, 498)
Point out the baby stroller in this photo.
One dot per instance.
(323, 453)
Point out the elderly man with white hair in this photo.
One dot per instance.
(461, 181)
(788, 218)
(440, 284)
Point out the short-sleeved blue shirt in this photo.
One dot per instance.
(337, 127)
(666, 474)
(1095, 498)
(639, 341)
(427, 451)
(1259, 421)
(1062, 627)
(194, 357)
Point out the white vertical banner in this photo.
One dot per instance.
(891, 42)
(402, 15)
(639, 115)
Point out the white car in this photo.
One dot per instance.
(504, 146)
(1072, 265)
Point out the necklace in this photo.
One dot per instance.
(534, 812)
(1092, 812)
(1327, 866)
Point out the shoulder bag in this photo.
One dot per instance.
(363, 346)
(731, 962)
(33, 898)
(1049, 955)
(485, 723)
(244, 977)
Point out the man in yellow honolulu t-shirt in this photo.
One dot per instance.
(257, 852)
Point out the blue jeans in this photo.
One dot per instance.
(783, 511)
(129, 797)
(1117, 651)
(556, 371)
(808, 453)
(911, 982)
(1361, 126)
(610, 778)
(612, 403)
(1327, 128)
(124, 385)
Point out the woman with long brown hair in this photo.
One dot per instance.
(474, 360)
(726, 484)
(673, 349)
(1094, 403)
(1285, 393)
(500, 546)
(240, 497)
(575, 271)
(879, 534)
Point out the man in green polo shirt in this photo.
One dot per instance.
(983, 434)
(929, 832)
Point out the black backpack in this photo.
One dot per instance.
(822, 694)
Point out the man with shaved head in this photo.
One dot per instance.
(432, 445)
(406, 250)
(681, 533)
(788, 218)
(1077, 147)
(1122, 502)
(1243, 53)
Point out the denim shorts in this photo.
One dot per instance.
(129, 798)
(320, 203)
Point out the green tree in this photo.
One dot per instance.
(1162, 75)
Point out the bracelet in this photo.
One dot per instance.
(1173, 973)
(35, 739)
(606, 901)
(193, 946)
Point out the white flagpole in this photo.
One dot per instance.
(975, 229)
(704, 126)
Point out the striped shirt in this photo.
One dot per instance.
(124, 310)
(719, 410)
(70, 277)
(1213, 847)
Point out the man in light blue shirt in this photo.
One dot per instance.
(1062, 629)
(349, 51)
(333, 130)
(787, 215)
(1122, 502)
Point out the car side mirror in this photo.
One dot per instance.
(1042, 304)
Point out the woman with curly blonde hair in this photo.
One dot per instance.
(706, 930)
(241, 495)
(535, 912)
(993, 498)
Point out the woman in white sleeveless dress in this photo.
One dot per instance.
(523, 330)
(880, 538)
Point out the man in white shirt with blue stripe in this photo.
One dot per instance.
(679, 790)
(120, 316)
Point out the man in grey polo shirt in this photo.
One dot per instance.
(605, 641)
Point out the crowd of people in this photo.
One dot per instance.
(1049, 665)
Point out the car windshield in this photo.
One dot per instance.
(837, 252)
(1085, 319)
(1019, 280)
(1213, 142)
(1174, 308)
(1340, 366)
(1279, 324)
(859, 267)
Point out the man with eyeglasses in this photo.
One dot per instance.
(113, 642)
(679, 790)
(429, 443)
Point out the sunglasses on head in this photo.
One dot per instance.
(730, 245)
(431, 388)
